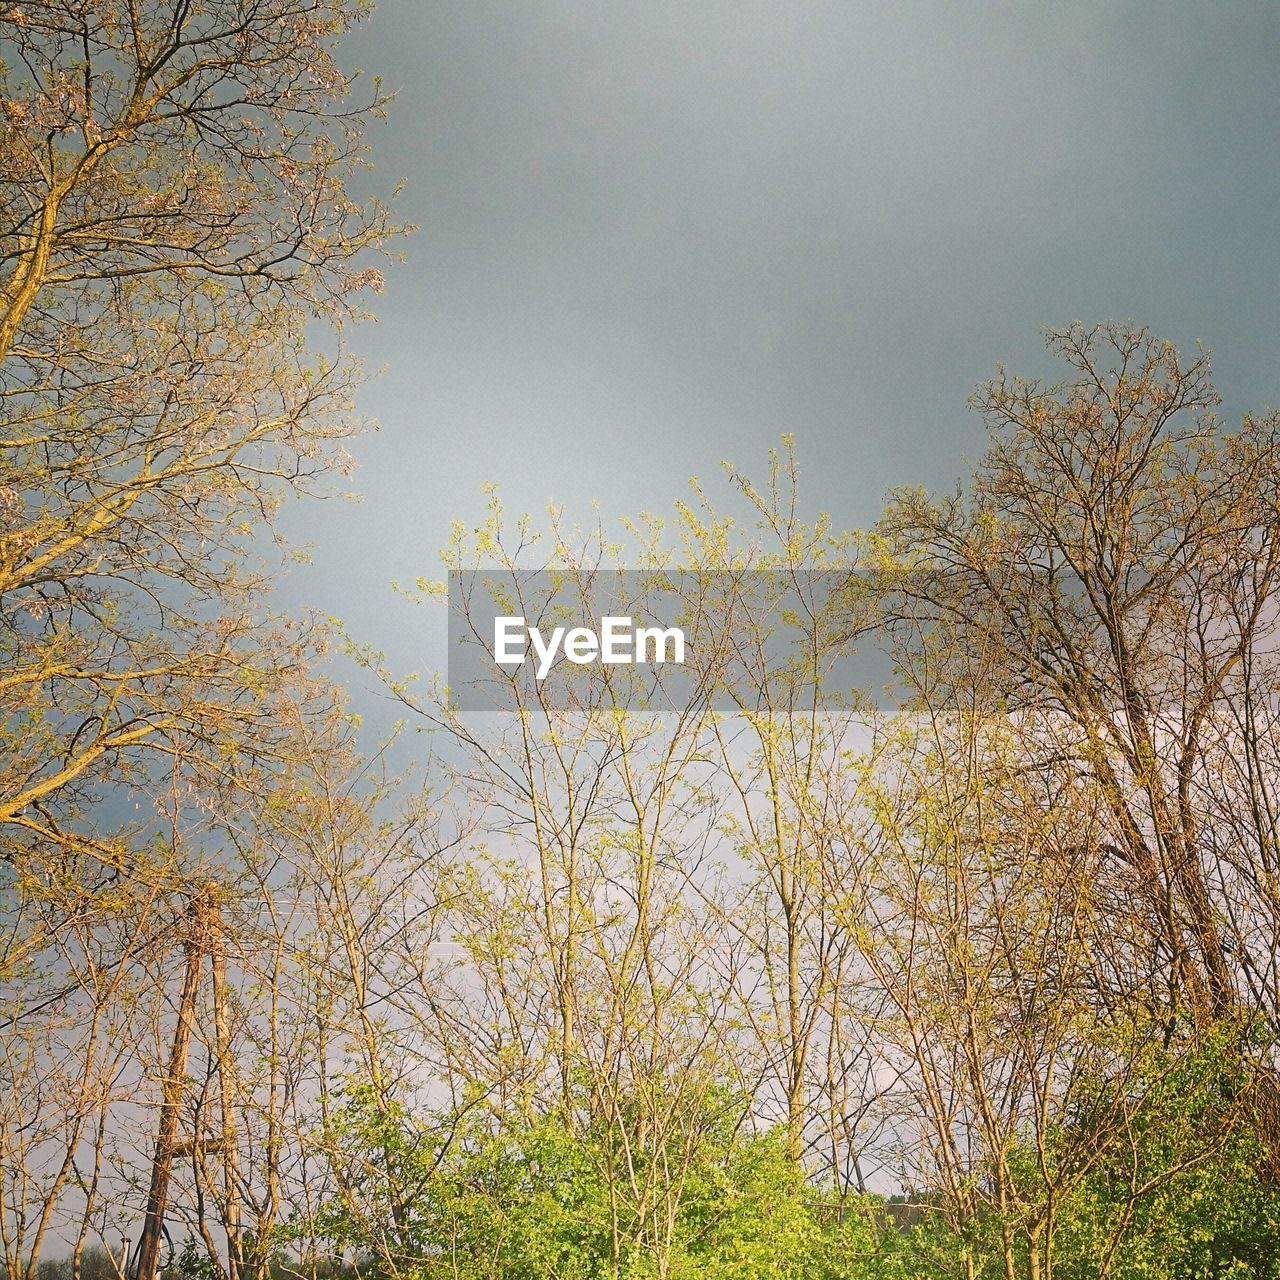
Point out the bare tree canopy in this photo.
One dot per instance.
(737, 973)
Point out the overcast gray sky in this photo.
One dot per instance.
(656, 235)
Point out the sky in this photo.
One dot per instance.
(655, 236)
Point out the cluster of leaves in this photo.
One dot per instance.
(1179, 1193)
(529, 1196)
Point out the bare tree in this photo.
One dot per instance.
(173, 211)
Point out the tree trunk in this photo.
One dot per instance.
(162, 1162)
